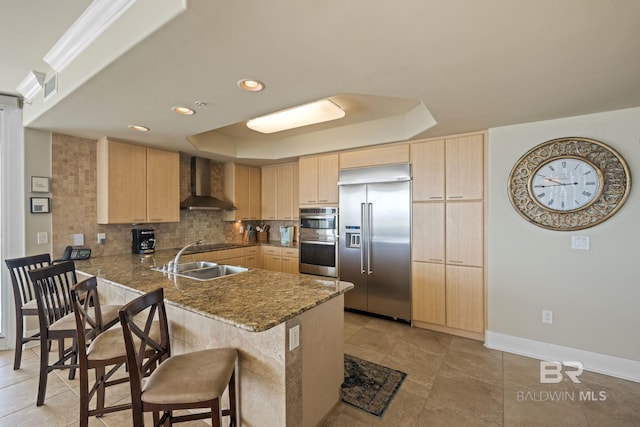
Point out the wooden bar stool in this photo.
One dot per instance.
(186, 381)
(52, 286)
(24, 297)
(98, 349)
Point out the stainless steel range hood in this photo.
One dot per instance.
(200, 198)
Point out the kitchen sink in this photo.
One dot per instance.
(203, 270)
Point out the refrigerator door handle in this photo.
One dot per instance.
(363, 234)
(369, 235)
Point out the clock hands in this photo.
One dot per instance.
(559, 184)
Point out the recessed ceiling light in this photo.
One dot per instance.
(183, 111)
(138, 128)
(251, 85)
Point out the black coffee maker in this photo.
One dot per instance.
(143, 241)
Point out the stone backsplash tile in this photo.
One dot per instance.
(73, 205)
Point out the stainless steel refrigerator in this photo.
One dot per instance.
(375, 239)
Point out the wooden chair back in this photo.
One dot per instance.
(86, 306)
(52, 287)
(144, 353)
(18, 270)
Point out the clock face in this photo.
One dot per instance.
(565, 184)
(569, 183)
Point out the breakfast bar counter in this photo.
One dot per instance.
(288, 330)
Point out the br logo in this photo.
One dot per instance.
(551, 372)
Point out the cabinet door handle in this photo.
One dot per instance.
(435, 259)
(456, 262)
(137, 220)
(455, 197)
(435, 197)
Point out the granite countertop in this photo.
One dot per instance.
(255, 301)
(222, 246)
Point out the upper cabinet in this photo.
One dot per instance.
(318, 179)
(163, 185)
(465, 167)
(136, 184)
(427, 168)
(448, 169)
(386, 155)
(242, 188)
(280, 192)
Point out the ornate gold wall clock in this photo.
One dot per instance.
(569, 183)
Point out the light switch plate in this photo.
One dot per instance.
(78, 239)
(43, 237)
(580, 242)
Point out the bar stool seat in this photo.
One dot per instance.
(212, 368)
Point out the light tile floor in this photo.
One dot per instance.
(451, 381)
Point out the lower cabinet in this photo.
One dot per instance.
(253, 257)
(280, 259)
(449, 296)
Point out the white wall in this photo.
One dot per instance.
(595, 294)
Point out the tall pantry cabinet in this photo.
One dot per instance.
(448, 234)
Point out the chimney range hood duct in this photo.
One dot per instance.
(200, 198)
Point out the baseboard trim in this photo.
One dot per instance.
(595, 362)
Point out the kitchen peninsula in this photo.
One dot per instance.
(261, 313)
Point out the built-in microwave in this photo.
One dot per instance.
(318, 243)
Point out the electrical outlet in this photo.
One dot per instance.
(294, 337)
(102, 238)
(547, 316)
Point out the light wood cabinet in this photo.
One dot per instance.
(464, 231)
(271, 257)
(448, 234)
(465, 167)
(280, 259)
(450, 168)
(428, 232)
(387, 155)
(253, 257)
(428, 302)
(318, 180)
(289, 261)
(280, 192)
(163, 186)
(465, 296)
(268, 192)
(136, 184)
(427, 166)
(242, 188)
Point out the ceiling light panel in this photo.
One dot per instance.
(94, 21)
(303, 115)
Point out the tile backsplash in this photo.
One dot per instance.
(73, 205)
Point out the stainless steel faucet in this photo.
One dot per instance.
(173, 266)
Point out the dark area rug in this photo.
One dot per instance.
(369, 386)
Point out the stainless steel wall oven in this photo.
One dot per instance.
(319, 241)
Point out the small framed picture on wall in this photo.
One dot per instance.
(40, 205)
(40, 184)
